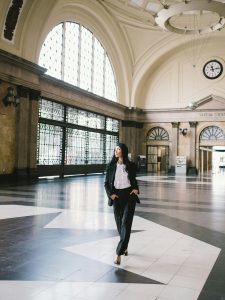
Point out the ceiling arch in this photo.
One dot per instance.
(95, 18)
(152, 60)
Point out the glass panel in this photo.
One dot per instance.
(95, 148)
(96, 121)
(212, 133)
(72, 115)
(152, 168)
(71, 53)
(111, 142)
(98, 68)
(51, 52)
(50, 144)
(75, 147)
(51, 110)
(82, 118)
(110, 82)
(86, 59)
(77, 116)
(112, 125)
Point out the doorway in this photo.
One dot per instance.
(218, 160)
(157, 159)
(212, 159)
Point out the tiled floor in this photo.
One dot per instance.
(58, 240)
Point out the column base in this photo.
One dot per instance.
(25, 174)
(171, 170)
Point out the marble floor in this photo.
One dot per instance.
(58, 240)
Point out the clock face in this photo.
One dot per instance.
(213, 69)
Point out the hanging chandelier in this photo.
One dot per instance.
(174, 18)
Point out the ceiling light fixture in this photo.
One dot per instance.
(165, 16)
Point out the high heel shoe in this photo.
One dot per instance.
(117, 261)
(126, 252)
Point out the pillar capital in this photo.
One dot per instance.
(175, 124)
(193, 124)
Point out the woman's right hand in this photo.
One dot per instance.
(114, 196)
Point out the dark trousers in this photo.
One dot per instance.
(124, 208)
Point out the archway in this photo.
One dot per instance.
(212, 150)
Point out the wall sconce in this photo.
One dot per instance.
(10, 98)
(183, 131)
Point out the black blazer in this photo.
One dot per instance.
(110, 177)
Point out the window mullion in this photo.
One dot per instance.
(63, 51)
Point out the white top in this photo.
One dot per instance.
(121, 177)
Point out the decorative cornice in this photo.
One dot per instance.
(80, 91)
(20, 62)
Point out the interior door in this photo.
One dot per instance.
(157, 159)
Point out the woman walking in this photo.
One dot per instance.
(122, 189)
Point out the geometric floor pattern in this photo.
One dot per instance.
(58, 240)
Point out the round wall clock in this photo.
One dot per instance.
(213, 69)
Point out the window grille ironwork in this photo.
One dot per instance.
(75, 147)
(212, 133)
(51, 110)
(111, 142)
(158, 133)
(73, 54)
(85, 118)
(96, 121)
(112, 125)
(49, 144)
(87, 138)
(95, 153)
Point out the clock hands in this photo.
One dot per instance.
(213, 68)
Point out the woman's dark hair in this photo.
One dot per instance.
(126, 160)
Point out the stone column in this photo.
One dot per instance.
(192, 170)
(131, 131)
(22, 133)
(131, 137)
(27, 122)
(33, 130)
(174, 147)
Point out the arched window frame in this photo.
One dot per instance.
(79, 59)
(157, 134)
(211, 133)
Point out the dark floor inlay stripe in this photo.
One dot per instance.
(121, 275)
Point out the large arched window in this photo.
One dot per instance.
(73, 54)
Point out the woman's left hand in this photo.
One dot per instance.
(134, 192)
